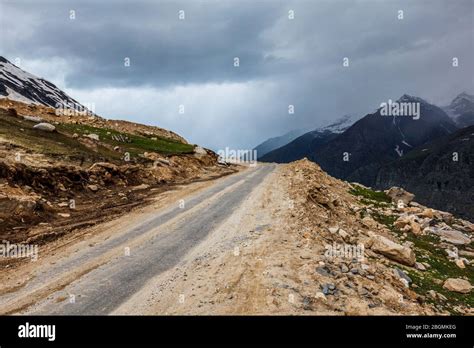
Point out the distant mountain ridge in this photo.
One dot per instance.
(440, 173)
(303, 145)
(359, 152)
(461, 110)
(276, 142)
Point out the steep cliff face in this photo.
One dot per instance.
(440, 174)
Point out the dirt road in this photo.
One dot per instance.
(100, 273)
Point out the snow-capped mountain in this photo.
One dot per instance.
(340, 125)
(304, 145)
(461, 110)
(380, 138)
(19, 85)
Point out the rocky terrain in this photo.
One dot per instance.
(421, 255)
(62, 172)
(440, 173)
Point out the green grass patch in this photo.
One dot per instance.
(386, 220)
(370, 195)
(137, 144)
(21, 132)
(427, 251)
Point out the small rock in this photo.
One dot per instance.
(460, 263)
(344, 268)
(92, 136)
(64, 215)
(419, 266)
(140, 187)
(323, 270)
(35, 119)
(320, 296)
(343, 233)
(93, 188)
(431, 294)
(402, 275)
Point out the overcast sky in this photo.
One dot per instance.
(283, 61)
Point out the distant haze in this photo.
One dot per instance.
(82, 46)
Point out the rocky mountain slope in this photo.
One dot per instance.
(461, 110)
(440, 173)
(19, 85)
(306, 144)
(359, 152)
(276, 142)
(420, 255)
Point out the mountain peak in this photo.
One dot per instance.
(406, 98)
(341, 124)
(462, 104)
(463, 96)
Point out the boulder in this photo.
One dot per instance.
(398, 194)
(392, 250)
(451, 236)
(457, 285)
(47, 127)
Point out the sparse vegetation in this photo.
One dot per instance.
(370, 195)
(137, 143)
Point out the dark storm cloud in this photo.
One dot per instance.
(163, 50)
(282, 61)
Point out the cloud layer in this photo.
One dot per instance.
(283, 61)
